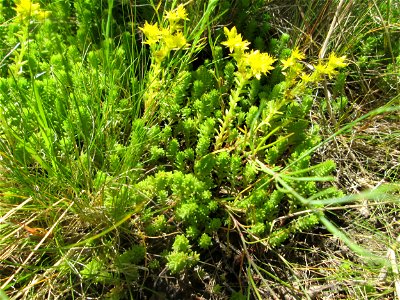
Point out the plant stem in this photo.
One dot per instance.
(230, 114)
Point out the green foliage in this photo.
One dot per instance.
(181, 257)
(179, 261)
(144, 143)
(132, 256)
(205, 241)
(181, 244)
(95, 271)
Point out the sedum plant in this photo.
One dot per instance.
(220, 130)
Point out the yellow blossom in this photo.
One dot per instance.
(330, 71)
(306, 77)
(175, 41)
(288, 63)
(330, 67)
(42, 15)
(292, 60)
(152, 33)
(150, 30)
(234, 40)
(177, 14)
(26, 9)
(181, 12)
(165, 32)
(259, 63)
(321, 69)
(336, 62)
(296, 54)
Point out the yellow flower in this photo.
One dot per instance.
(234, 40)
(288, 63)
(320, 68)
(177, 14)
(292, 60)
(306, 77)
(259, 63)
(150, 30)
(152, 33)
(336, 62)
(330, 68)
(26, 9)
(175, 41)
(42, 15)
(296, 54)
(181, 12)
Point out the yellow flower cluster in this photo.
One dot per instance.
(26, 9)
(297, 79)
(163, 40)
(329, 68)
(176, 15)
(292, 60)
(250, 64)
(234, 41)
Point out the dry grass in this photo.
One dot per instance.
(367, 157)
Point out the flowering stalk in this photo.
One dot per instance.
(250, 64)
(321, 71)
(27, 11)
(329, 70)
(162, 40)
(230, 113)
(16, 68)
